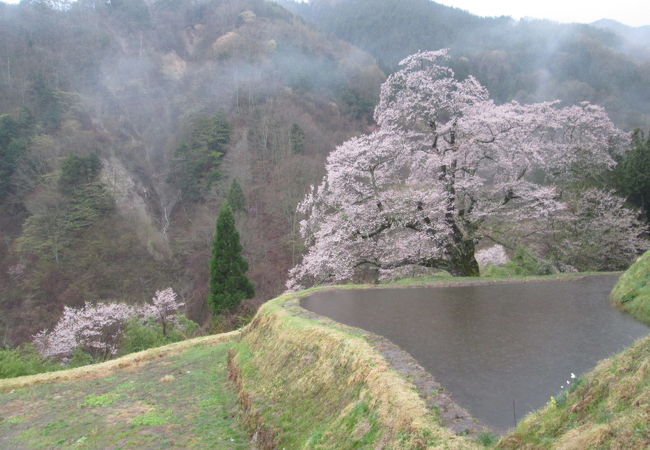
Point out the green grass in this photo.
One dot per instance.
(608, 408)
(100, 400)
(632, 292)
(153, 418)
(311, 415)
(488, 438)
(181, 401)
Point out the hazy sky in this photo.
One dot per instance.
(630, 12)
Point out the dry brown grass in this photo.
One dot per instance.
(127, 413)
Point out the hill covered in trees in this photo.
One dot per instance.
(528, 60)
(122, 125)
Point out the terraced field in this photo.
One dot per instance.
(180, 400)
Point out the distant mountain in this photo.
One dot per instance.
(636, 39)
(526, 60)
(391, 29)
(638, 34)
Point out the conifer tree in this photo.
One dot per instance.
(297, 139)
(236, 197)
(228, 282)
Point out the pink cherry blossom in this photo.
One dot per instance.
(495, 255)
(163, 309)
(445, 161)
(97, 328)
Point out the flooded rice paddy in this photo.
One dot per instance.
(493, 346)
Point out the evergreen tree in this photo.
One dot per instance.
(228, 282)
(632, 175)
(236, 197)
(197, 160)
(78, 171)
(297, 139)
(14, 141)
(48, 102)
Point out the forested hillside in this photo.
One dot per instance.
(122, 126)
(528, 60)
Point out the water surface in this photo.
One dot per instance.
(490, 345)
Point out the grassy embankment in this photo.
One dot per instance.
(313, 384)
(632, 293)
(610, 406)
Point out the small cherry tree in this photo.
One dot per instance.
(98, 328)
(163, 309)
(444, 161)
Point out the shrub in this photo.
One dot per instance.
(24, 360)
(523, 263)
(488, 438)
(80, 358)
(139, 336)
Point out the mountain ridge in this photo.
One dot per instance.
(523, 60)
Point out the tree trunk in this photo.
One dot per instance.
(462, 262)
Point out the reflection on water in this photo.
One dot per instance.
(490, 345)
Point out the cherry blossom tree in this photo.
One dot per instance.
(444, 159)
(594, 232)
(95, 328)
(98, 328)
(163, 309)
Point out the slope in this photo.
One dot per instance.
(632, 292)
(179, 400)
